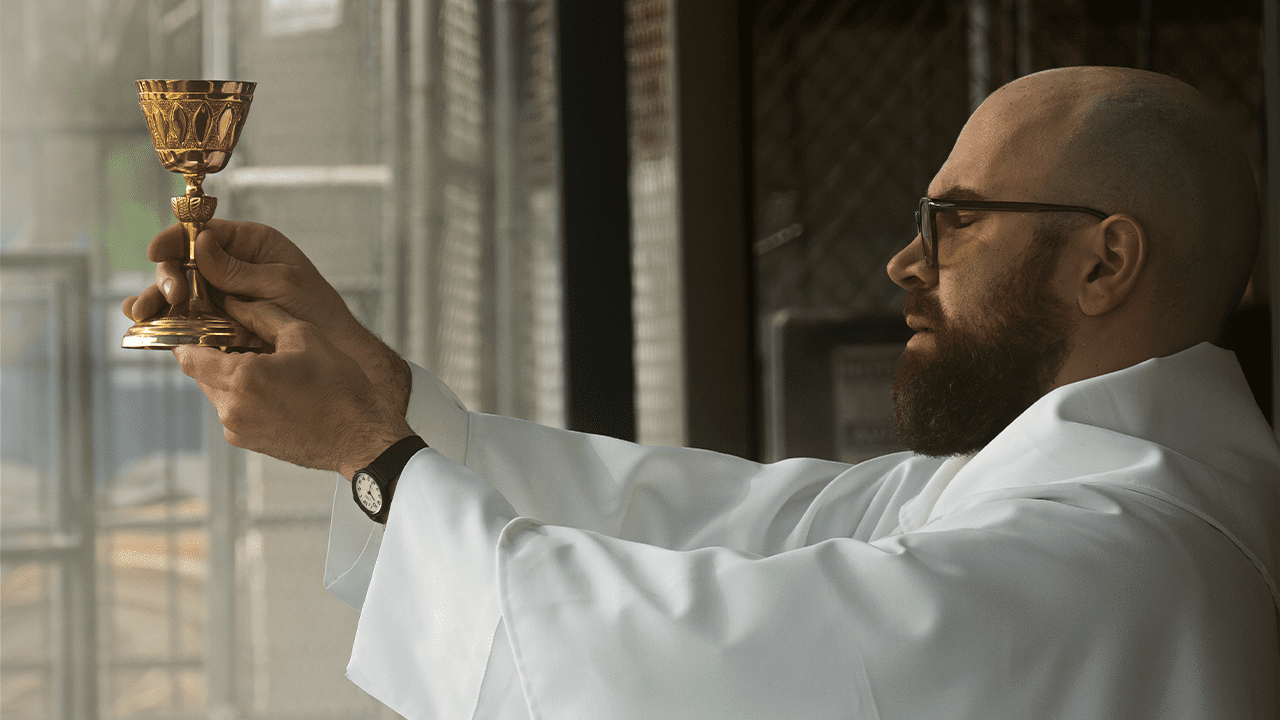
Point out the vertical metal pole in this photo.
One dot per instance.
(420, 169)
(173, 592)
(392, 297)
(220, 635)
(79, 467)
(62, 516)
(979, 52)
(216, 64)
(74, 675)
(1271, 94)
(488, 246)
(403, 313)
(220, 597)
(216, 30)
(62, 687)
(155, 34)
(506, 78)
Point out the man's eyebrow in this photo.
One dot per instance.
(957, 193)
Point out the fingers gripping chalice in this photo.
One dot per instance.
(194, 126)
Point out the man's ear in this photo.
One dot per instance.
(1114, 260)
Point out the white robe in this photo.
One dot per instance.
(1112, 554)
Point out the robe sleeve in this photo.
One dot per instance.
(672, 497)
(667, 496)
(1048, 603)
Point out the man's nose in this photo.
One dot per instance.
(908, 268)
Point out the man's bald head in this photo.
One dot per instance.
(1012, 303)
(1136, 142)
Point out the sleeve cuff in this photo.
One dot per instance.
(437, 415)
(354, 542)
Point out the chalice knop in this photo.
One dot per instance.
(194, 127)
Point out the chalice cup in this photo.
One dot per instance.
(194, 127)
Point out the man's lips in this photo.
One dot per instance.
(923, 313)
(918, 323)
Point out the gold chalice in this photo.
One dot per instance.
(194, 127)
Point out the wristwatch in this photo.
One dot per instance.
(373, 484)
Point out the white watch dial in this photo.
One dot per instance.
(369, 493)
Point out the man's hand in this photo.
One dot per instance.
(306, 402)
(256, 261)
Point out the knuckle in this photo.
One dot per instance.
(244, 378)
(231, 270)
(233, 438)
(231, 421)
(235, 417)
(306, 332)
(187, 363)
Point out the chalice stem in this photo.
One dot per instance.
(193, 210)
(196, 291)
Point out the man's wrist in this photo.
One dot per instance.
(373, 486)
(371, 446)
(387, 371)
(400, 382)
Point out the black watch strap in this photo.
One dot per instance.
(383, 472)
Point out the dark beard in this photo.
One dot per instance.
(956, 397)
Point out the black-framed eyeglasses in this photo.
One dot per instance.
(927, 216)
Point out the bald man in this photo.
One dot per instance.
(1149, 258)
(1087, 525)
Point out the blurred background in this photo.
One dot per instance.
(666, 221)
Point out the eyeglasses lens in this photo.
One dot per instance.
(924, 225)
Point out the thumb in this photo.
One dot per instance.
(227, 273)
(264, 319)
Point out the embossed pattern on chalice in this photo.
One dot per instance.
(195, 124)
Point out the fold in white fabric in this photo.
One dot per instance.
(1112, 554)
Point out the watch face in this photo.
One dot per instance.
(368, 492)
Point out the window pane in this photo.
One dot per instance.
(29, 415)
(26, 602)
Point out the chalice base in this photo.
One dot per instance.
(205, 328)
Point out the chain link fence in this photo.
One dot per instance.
(858, 102)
